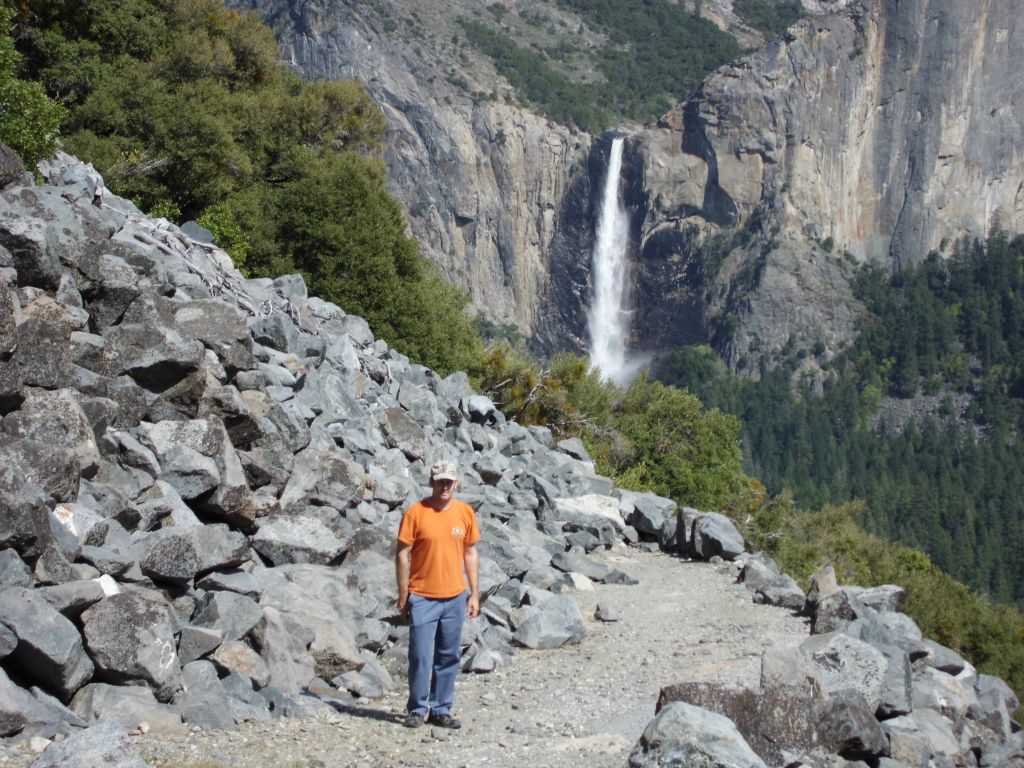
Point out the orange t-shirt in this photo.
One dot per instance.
(438, 540)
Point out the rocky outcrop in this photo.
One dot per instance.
(866, 689)
(880, 133)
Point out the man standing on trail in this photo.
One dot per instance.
(436, 556)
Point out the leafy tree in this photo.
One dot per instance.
(29, 120)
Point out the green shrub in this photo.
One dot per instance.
(29, 120)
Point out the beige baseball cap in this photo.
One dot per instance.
(444, 470)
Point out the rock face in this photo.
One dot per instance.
(875, 130)
(886, 131)
(484, 181)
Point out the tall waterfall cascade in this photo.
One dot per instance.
(609, 317)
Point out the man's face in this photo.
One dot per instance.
(443, 490)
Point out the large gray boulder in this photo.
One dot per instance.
(55, 418)
(131, 638)
(845, 663)
(148, 346)
(684, 735)
(24, 516)
(847, 726)
(322, 478)
(49, 650)
(108, 745)
(126, 706)
(170, 557)
(221, 328)
(714, 534)
(552, 624)
(198, 460)
(53, 469)
(229, 613)
(34, 248)
(282, 539)
(18, 708)
(774, 721)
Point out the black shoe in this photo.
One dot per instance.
(412, 720)
(444, 721)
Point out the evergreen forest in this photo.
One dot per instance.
(947, 339)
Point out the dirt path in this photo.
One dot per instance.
(581, 705)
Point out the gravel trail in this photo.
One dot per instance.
(575, 706)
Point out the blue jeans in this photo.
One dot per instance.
(435, 628)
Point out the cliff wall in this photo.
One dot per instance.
(875, 130)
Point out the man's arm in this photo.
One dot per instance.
(403, 566)
(472, 560)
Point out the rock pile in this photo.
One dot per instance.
(864, 689)
(201, 477)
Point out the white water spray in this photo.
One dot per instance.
(608, 319)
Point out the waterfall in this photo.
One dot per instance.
(608, 320)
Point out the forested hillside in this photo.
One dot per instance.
(946, 341)
(186, 108)
(653, 56)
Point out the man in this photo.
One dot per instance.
(436, 556)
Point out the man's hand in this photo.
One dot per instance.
(403, 606)
(473, 607)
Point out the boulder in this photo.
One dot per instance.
(24, 516)
(170, 557)
(782, 591)
(108, 745)
(773, 721)
(713, 534)
(283, 539)
(18, 707)
(322, 478)
(126, 706)
(53, 469)
(236, 656)
(198, 460)
(554, 623)
(229, 613)
(55, 418)
(49, 650)
(203, 702)
(13, 571)
(684, 735)
(597, 514)
(131, 638)
(88, 527)
(72, 598)
(283, 644)
(148, 346)
(843, 662)
(34, 248)
(221, 328)
(847, 726)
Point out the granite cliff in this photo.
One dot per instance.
(874, 130)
